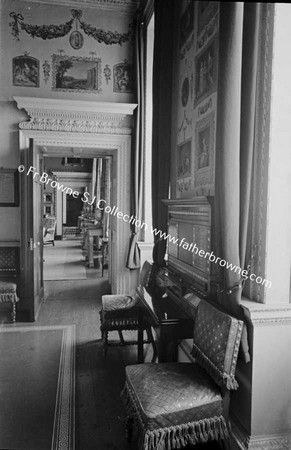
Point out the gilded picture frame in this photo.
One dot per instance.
(206, 72)
(186, 24)
(122, 78)
(25, 71)
(204, 173)
(184, 162)
(76, 74)
(9, 187)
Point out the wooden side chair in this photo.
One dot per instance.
(178, 404)
(121, 312)
(9, 272)
(49, 229)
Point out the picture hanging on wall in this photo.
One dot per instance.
(184, 160)
(25, 71)
(186, 23)
(122, 77)
(185, 91)
(204, 155)
(184, 167)
(206, 72)
(47, 198)
(9, 187)
(76, 40)
(206, 11)
(76, 74)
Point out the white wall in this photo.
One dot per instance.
(39, 14)
(279, 201)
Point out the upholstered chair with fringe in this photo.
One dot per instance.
(122, 312)
(173, 405)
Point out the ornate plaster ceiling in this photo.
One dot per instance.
(113, 5)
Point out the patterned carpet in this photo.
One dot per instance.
(37, 388)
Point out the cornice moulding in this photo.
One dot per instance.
(127, 6)
(75, 116)
(49, 104)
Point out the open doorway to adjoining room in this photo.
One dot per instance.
(75, 228)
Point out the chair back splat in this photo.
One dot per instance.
(178, 404)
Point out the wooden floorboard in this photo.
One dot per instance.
(100, 414)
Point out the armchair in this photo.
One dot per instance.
(178, 404)
(49, 229)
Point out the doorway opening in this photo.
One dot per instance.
(76, 237)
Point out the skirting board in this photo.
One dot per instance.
(242, 441)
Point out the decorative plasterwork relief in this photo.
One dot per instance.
(106, 5)
(74, 116)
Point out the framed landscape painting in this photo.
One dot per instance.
(76, 74)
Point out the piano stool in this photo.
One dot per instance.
(122, 312)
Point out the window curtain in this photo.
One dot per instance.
(133, 258)
(236, 112)
(162, 106)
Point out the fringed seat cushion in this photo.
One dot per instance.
(114, 304)
(216, 341)
(174, 404)
(122, 311)
(8, 292)
(119, 311)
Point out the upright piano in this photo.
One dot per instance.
(172, 314)
(188, 277)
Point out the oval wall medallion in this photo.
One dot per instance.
(185, 91)
(76, 40)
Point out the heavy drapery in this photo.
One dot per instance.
(133, 258)
(162, 109)
(236, 109)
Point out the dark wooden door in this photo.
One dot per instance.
(31, 272)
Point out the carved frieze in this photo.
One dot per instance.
(78, 117)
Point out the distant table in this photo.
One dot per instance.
(91, 233)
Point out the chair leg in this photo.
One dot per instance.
(13, 312)
(105, 342)
(151, 339)
(121, 337)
